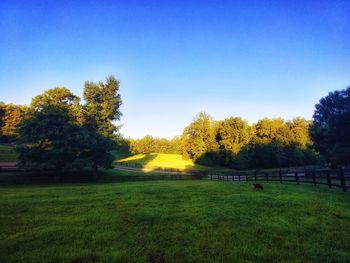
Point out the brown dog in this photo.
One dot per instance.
(257, 187)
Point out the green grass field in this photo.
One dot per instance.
(7, 153)
(173, 221)
(152, 161)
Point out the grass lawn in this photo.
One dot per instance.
(173, 221)
(162, 160)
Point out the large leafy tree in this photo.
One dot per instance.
(49, 139)
(102, 106)
(52, 139)
(59, 97)
(299, 128)
(331, 127)
(199, 137)
(232, 135)
(269, 130)
(60, 133)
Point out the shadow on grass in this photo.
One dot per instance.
(11, 178)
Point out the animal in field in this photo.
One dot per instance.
(257, 187)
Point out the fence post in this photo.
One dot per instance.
(329, 179)
(314, 177)
(342, 179)
(211, 178)
(296, 177)
(255, 176)
(239, 177)
(267, 177)
(280, 172)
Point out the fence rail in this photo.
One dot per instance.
(332, 178)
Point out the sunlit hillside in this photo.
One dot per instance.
(162, 160)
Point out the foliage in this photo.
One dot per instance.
(56, 97)
(62, 134)
(199, 138)
(268, 143)
(52, 139)
(232, 135)
(102, 106)
(49, 139)
(149, 144)
(11, 116)
(59, 97)
(331, 127)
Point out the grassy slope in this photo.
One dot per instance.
(7, 153)
(156, 160)
(173, 221)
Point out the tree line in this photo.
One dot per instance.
(58, 131)
(150, 144)
(236, 144)
(268, 143)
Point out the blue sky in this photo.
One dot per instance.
(252, 59)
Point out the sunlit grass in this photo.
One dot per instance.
(161, 160)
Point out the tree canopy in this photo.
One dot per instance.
(11, 117)
(102, 105)
(61, 134)
(330, 130)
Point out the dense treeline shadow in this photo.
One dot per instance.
(262, 156)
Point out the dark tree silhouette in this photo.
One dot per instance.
(331, 127)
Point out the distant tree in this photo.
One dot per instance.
(176, 145)
(12, 116)
(299, 128)
(330, 130)
(2, 114)
(102, 106)
(199, 139)
(232, 135)
(149, 144)
(269, 130)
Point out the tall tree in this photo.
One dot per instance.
(52, 139)
(232, 135)
(269, 130)
(102, 105)
(199, 137)
(59, 97)
(299, 128)
(49, 139)
(331, 127)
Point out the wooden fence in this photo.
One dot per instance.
(332, 178)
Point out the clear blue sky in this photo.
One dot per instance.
(252, 59)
